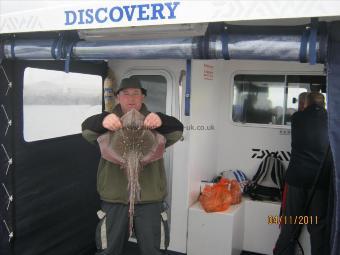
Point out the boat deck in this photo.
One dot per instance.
(132, 249)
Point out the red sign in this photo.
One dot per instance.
(208, 73)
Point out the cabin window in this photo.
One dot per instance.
(156, 86)
(270, 99)
(55, 103)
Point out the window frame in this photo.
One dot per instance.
(82, 67)
(250, 72)
(170, 90)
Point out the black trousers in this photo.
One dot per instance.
(112, 230)
(292, 215)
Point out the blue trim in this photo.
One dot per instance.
(237, 176)
(69, 49)
(303, 46)
(206, 47)
(187, 89)
(12, 48)
(2, 54)
(312, 41)
(54, 45)
(56, 49)
(225, 49)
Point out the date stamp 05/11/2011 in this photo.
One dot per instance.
(301, 220)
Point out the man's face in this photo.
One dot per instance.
(130, 98)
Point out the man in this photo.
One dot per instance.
(309, 147)
(112, 230)
(302, 101)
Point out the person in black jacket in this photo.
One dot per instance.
(309, 146)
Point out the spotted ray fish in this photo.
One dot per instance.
(132, 147)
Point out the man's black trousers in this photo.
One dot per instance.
(112, 230)
(292, 214)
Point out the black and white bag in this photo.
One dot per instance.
(237, 175)
(268, 182)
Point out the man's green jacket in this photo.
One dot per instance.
(111, 179)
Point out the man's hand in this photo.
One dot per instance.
(112, 122)
(152, 121)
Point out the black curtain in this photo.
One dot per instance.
(54, 181)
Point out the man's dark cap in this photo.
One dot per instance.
(131, 82)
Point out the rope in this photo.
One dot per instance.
(9, 160)
(9, 121)
(8, 81)
(10, 233)
(10, 197)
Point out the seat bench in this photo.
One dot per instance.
(245, 226)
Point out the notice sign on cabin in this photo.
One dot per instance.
(208, 72)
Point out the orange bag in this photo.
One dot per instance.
(235, 191)
(216, 198)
